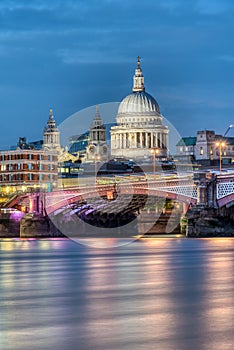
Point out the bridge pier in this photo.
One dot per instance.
(202, 194)
(208, 222)
(36, 203)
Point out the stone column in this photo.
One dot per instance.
(156, 139)
(141, 145)
(160, 139)
(116, 141)
(153, 138)
(166, 140)
(146, 140)
(120, 141)
(124, 140)
(163, 140)
(135, 140)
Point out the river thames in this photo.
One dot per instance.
(170, 294)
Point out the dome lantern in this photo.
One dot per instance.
(138, 79)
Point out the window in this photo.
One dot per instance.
(201, 151)
(181, 149)
(211, 151)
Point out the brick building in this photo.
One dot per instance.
(28, 170)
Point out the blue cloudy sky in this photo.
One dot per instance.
(69, 55)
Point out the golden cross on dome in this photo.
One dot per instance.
(51, 111)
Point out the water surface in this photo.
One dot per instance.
(151, 294)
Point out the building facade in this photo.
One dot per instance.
(204, 147)
(28, 170)
(139, 126)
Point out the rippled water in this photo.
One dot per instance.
(152, 294)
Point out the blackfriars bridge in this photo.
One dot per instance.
(198, 189)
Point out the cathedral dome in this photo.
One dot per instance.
(139, 127)
(138, 103)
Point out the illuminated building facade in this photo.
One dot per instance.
(139, 124)
(204, 148)
(28, 170)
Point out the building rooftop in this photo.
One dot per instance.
(187, 141)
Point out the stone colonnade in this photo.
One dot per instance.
(142, 139)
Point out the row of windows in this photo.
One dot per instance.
(27, 156)
(29, 166)
(146, 120)
(190, 149)
(29, 177)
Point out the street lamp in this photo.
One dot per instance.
(221, 145)
(154, 151)
(96, 159)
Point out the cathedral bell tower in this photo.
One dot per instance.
(51, 135)
(97, 147)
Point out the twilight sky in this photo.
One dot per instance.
(69, 55)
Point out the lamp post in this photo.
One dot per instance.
(154, 151)
(96, 159)
(221, 145)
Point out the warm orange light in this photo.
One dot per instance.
(221, 144)
(154, 150)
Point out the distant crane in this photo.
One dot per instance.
(230, 126)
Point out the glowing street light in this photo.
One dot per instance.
(221, 145)
(155, 151)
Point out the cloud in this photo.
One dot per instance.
(91, 56)
(226, 58)
(214, 7)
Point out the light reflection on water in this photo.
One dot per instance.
(152, 294)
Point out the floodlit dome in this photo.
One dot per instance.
(138, 104)
(139, 126)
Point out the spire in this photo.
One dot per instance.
(51, 125)
(51, 113)
(97, 120)
(138, 79)
(138, 62)
(51, 135)
(97, 114)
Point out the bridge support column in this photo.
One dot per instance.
(185, 208)
(36, 203)
(33, 204)
(202, 194)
